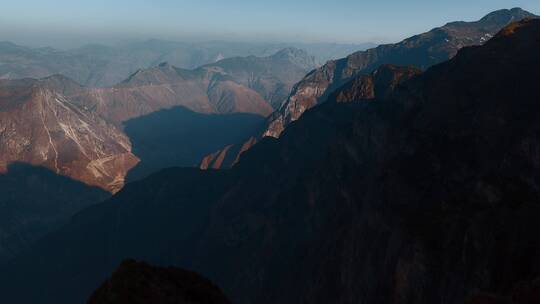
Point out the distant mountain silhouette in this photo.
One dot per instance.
(104, 66)
(427, 195)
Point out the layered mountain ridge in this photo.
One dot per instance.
(428, 194)
(422, 51)
(78, 131)
(61, 133)
(104, 66)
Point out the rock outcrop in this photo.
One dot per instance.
(138, 282)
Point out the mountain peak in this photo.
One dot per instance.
(506, 16)
(165, 64)
(290, 52)
(297, 56)
(58, 77)
(8, 44)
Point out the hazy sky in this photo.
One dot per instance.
(70, 22)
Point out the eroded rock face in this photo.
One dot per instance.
(381, 83)
(42, 127)
(422, 51)
(138, 282)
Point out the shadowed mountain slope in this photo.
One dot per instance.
(36, 201)
(180, 137)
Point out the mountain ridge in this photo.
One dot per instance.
(422, 51)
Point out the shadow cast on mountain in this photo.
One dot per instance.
(181, 137)
(35, 201)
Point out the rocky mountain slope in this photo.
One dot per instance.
(41, 126)
(138, 282)
(49, 146)
(379, 84)
(429, 195)
(422, 51)
(36, 201)
(165, 86)
(272, 77)
(77, 131)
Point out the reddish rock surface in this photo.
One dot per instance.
(41, 126)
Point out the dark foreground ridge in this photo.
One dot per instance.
(429, 195)
(140, 283)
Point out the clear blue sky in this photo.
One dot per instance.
(42, 21)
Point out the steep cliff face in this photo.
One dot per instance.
(41, 126)
(428, 196)
(422, 51)
(381, 83)
(138, 282)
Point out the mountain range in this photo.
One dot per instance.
(425, 191)
(81, 138)
(421, 51)
(103, 66)
(78, 131)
